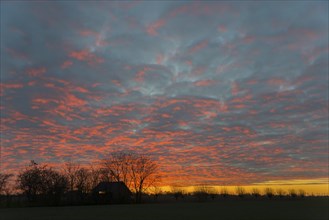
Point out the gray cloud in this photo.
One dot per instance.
(239, 85)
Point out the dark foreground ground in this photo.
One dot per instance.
(307, 209)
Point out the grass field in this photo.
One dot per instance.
(307, 209)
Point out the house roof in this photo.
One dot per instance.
(112, 186)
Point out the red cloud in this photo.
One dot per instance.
(86, 55)
(160, 58)
(198, 47)
(36, 71)
(235, 88)
(205, 82)
(152, 29)
(222, 28)
(66, 64)
(141, 74)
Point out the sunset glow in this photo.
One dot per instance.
(217, 93)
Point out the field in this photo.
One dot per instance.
(308, 209)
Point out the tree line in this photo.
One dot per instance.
(39, 182)
(204, 192)
(42, 184)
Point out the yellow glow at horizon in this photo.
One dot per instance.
(310, 186)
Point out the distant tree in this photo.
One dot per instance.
(201, 192)
(255, 192)
(212, 192)
(82, 180)
(40, 180)
(4, 180)
(137, 171)
(105, 175)
(269, 192)
(177, 192)
(117, 166)
(30, 180)
(143, 173)
(280, 192)
(54, 184)
(95, 176)
(292, 193)
(224, 192)
(70, 171)
(240, 191)
(301, 193)
(156, 191)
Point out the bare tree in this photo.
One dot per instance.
(95, 176)
(30, 180)
(53, 185)
(70, 171)
(118, 167)
(40, 180)
(4, 179)
(143, 174)
(82, 180)
(105, 174)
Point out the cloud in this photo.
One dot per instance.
(217, 92)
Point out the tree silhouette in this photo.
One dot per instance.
(255, 192)
(177, 192)
(136, 171)
(240, 191)
(40, 180)
(269, 192)
(143, 174)
(224, 191)
(70, 171)
(118, 167)
(4, 179)
(292, 193)
(301, 193)
(280, 192)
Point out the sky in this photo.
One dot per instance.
(222, 93)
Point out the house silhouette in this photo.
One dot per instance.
(112, 192)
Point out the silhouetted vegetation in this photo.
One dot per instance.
(202, 193)
(138, 172)
(126, 173)
(280, 192)
(255, 192)
(224, 192)
(4, 179)
(240, 191)
(177, 192)
(269, 192)
(39, 184)
(292, 193)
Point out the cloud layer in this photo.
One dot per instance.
(217, 92)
